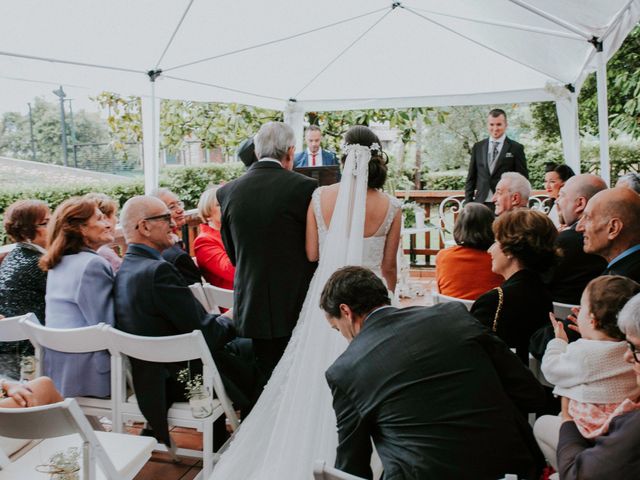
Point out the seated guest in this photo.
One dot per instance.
(152, 299)
(575, 268)
(523, 251)
(79, 294)
(109, 207)
(554, 179)
(630, 180)
(614, 454)
(34, 393)
(513, 191)
(590, 372)
(610, 227)
(428, 385)
(212, 258)
(22, 282)
(464, 271)
(176, 253)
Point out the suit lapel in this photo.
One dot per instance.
(484, 157)
(503, 153)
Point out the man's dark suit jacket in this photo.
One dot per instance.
(628, 266)
(438, 394)
(302, 159)
(480, 180)
(151, 299)
(183, 262)
(525, 309)
(263, 230)
(575, 268)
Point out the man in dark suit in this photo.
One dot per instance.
(575, 268)
(177, 254)
(610, 224)
(152, 299)
(490, 158)
(439, 394)
(314, 155)
(263, 229)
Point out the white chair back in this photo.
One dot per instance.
(321, 471)
(563, 310)
(448, 212)
(56, 420)
(217, 297)
(541, 203)
(67, 340)
(12, 331)
(198, 292)
(439, 298)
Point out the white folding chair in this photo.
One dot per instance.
(217, 297)
(74, 340)
(563, 310)
(440, 298)
(172, 349)
(448, 211)
(198, 292)
(12, 331)
(111, 456)
(321, 471)
(541, 203)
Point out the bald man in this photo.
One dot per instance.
(610, 224)
(575, 268)
(152, 299)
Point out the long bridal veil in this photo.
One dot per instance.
(293, 423)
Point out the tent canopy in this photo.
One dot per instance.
(326, 55)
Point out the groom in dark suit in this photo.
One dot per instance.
(263, 229)
(490, 158)
(437, 392)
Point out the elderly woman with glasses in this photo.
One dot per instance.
(79, 294)
(615, 454)
(22, 282)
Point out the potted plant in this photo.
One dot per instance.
(198, 395)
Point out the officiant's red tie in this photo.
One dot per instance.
(313, 159)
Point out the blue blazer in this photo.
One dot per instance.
(328, 158)
(79, 294)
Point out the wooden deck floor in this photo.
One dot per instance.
(160, 466)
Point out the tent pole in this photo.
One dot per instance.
(150, 139)
(294, 117)
(567, 110)
(603, 115)
(552, 18)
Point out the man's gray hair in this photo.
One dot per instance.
(273, 140)
(629, 317)
(161, 192)
(517, 183)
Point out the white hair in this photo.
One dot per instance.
(273, 140)
(517, 183)
(629, 317)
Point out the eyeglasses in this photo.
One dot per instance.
(165, 217)
(176, 206)
(634, 351)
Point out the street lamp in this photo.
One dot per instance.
(60, 94)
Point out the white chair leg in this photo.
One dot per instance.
(207, 449)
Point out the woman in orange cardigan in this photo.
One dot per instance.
(211, 256)
(464, 271)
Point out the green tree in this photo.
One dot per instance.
(623, 92)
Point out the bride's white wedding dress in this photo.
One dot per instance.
(293, 424)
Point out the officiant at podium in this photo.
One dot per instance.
(314, 155)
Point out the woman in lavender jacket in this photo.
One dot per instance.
(79, 294)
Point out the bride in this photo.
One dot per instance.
(293, 423)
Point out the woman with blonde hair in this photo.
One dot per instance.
(109, 207)
(212, 258)
(79, 294)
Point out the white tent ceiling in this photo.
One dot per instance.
(329, 54)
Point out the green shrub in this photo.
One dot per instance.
(187, 182)
(450, 180)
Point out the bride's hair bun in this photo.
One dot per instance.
(361, 135)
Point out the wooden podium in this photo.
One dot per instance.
(326, 175)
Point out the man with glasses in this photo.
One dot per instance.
(151, 299)
(616, 454)
(177, 254)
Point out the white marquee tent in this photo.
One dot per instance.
(308, 55)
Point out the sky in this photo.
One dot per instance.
(16, 94)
